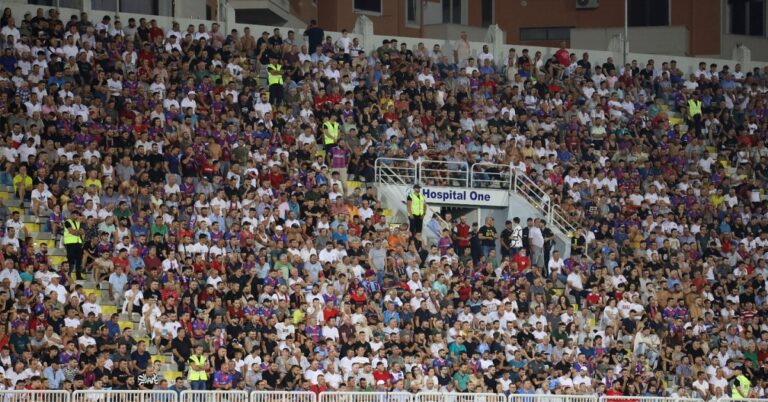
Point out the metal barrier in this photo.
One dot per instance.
(124, 396)
(458, 397)
(637, 399)
(552, 398)
(35, 396)
(395, 171)
(444, 173)
(365, 397)
(214, 396)
(283, 396)
(491, 175)
(303, 396)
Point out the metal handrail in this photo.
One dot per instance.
(395, 171)
(433, 172)
(499, 177)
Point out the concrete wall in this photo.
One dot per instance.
(757, 45)
(663, 40)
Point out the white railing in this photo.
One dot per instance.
(34, 396)
(491, 175)
(283, 396)
(459, 397)
(365, 397)
(443, 173)
(124, 396)
(304, 396)
(214, 396)
(552, 398)
(395, 171)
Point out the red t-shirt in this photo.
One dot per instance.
(563, 57)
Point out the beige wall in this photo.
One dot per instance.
(664, 40)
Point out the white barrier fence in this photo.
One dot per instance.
(365, 397)
(552, 398)
(214, 396)
(304, 396)
(458, 397)
(283, 396)
(35, 396)
(124, 396)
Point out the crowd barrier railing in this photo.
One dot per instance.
(459, 397)
(283, 396)
(124, 396)
(365, 397)
(305, 396)
(34, 396)
(214, 396)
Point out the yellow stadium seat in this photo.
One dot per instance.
(388, 213)
(32, 227)
(665, 107)
(158, 358)
(320, 152)
(108, 310)
(354, 184)
(558, 291)
(89, 292)
(57, 259)
(4, 195)
(172, 375)
(125, 324)
(675, 121)
(16, 209)
(48, 242)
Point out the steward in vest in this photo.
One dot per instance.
(695, 113)
(330, 133)
(197, 376)
(275, 81)
(740, 387)
(73, 243)
(417, 207)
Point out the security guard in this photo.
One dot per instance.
(73, 243)
(197, 375)
(417, 207)
(694, 112)
(275, 80)
(740, 388)
(330, 133)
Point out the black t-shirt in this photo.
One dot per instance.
(183, 346)
(488, 231)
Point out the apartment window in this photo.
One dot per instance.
(542, 34)
(413, 11)
(747, 17)
(452, 11)
(368, 6)
(648, 13)
(486, 12)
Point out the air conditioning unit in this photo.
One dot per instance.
(582, 4)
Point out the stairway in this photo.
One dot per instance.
(37, 228)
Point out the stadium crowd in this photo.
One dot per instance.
(208, 178)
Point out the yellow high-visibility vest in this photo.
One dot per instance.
(69, 237)
(331, 134)
(274, 78)
(694, 107)
(740, 390)
(418, 205)
(195, 375)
